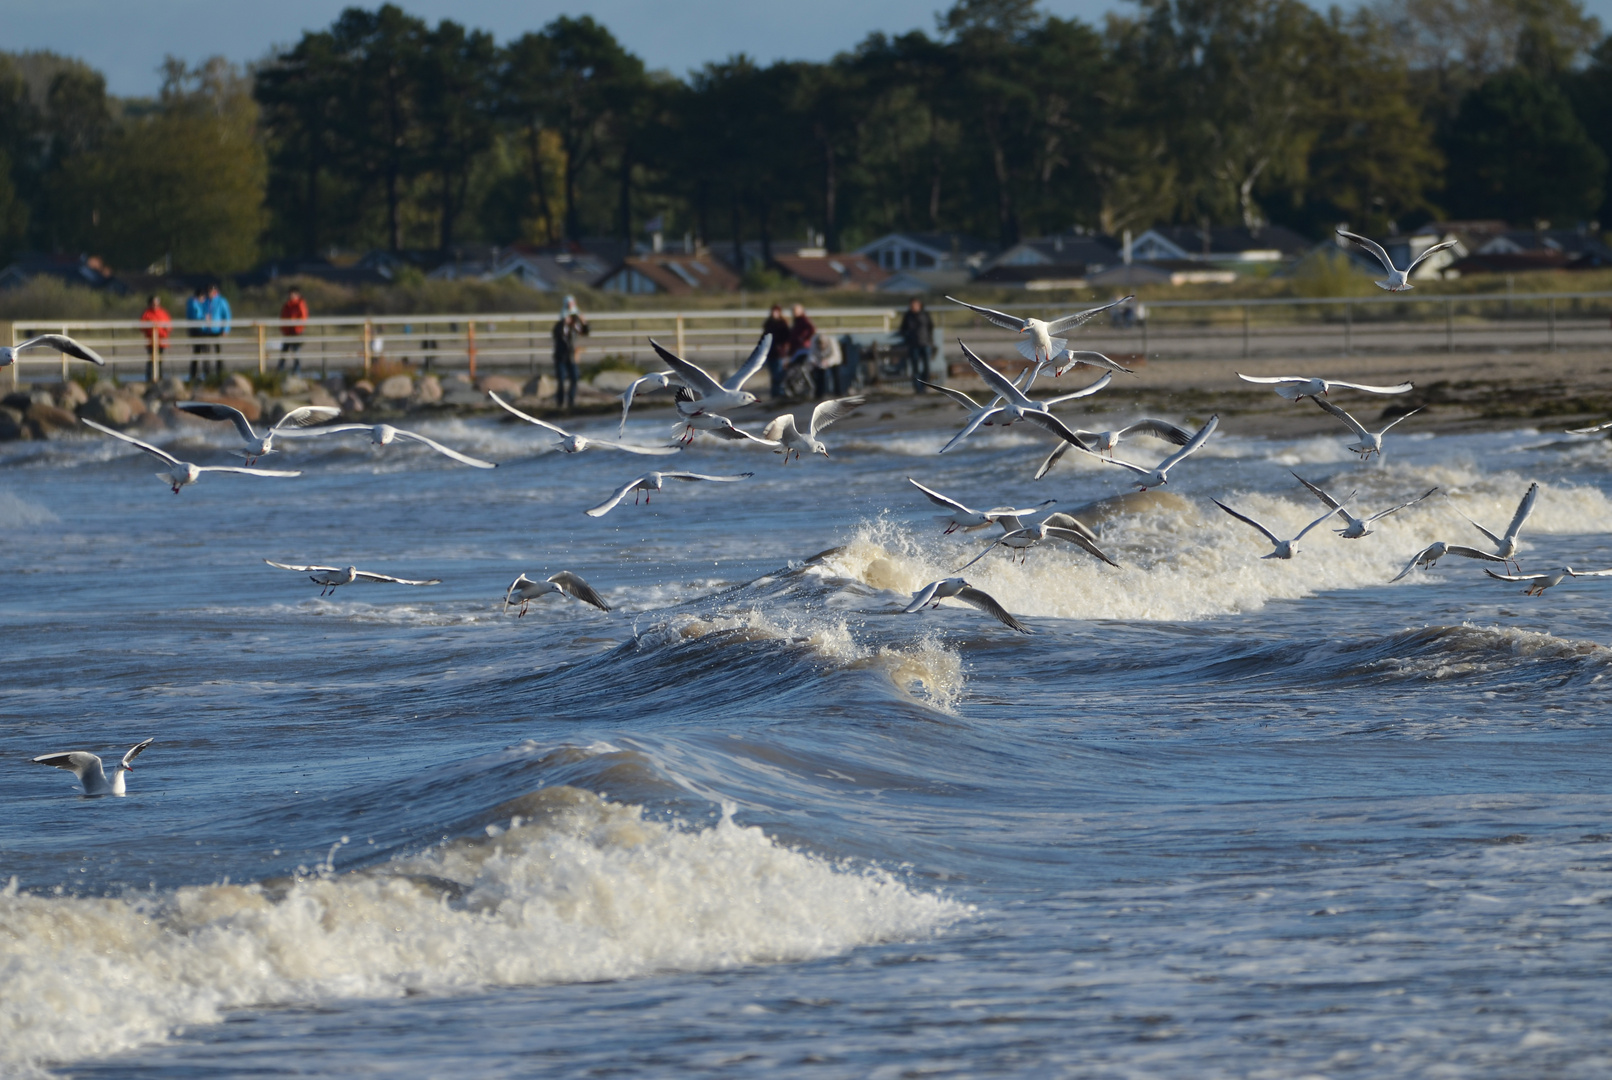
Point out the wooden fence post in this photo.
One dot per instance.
(470, 347)
(369, 331)
(681, 350)
(262, 349)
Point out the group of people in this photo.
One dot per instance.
(211, 308)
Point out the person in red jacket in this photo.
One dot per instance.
(157, 334)
(295, 307)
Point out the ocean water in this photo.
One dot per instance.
(1216, 817)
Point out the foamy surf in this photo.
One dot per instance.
(574, 889)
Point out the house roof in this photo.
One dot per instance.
(1511, 262)
(957, 248)
(1219, 241)
(833, 271)
(1060, 249)
(1034, 274)
(672, 274)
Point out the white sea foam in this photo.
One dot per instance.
(1184, 559)
(587, 891)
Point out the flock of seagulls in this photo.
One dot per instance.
(702, 401)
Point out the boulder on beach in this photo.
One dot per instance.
(45, 420)
(395, 388)
(11, 424)
(293, 385)
(68, 395)
(502, 385)
(428, 391)
(238, 385)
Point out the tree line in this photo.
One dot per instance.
(382, 130)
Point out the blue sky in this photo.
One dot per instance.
(127, 39)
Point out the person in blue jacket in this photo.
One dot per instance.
(196, 311)
(218, 317)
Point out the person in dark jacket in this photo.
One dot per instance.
(570, 327)
(778, 353)
(918, 335)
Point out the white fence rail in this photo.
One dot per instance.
(1173, 329)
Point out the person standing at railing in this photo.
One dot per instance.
(295, 307)
(196, 312)
(570, 327)
(218, 319)
(802, 332)
(778, 352)
(156, 335)
(918, 335)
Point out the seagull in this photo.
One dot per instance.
(1506, 544)
(1015, 406)
(710, 395)
(1368, 443)
(575, 444)
(958, 589)
(1435, 551)
(258, 445)
(1298, 387)
(1041, 346)
(386, 434)
(1075, 357)
(961, 517)
(61, 343)
(651, 483)
(91, 773)
(791, 440)
(331, 578)
(565, 583)
(1160, 473)
(1356, 527)
(1282, 549)
(655, 380)
(1021, 538)
(181, 473)
(1105, 441)
(1594, 430)
(719, 426)
(1537, 583)
(981, 414)
(1397, 280)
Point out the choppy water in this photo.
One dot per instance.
(1218, 817)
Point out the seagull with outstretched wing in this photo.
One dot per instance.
(1299, 387)
(1505, 545)
(652, 482)
(791, 440)
(1280, 549)
(182, 473)
(60, 342)
(969, 520)
(386, 434)
(1104, 442)
(1356, 527)
(91, 772)
(707, 393)
(1039, 344)
(1016, 406)
(575, 444)
(331, 578)
(524, 590)
(1366, 442)
(1159, 475)
(956, 588)
(1538, 583)
(1432, 553)
(258, 445)
(1397, 280)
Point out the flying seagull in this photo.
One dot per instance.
(1020, 538)
(718, 426)
(524, 590)
(1040, 346)
(1016, 406)
(258, 445)
(386, 434)
(791, 440)
(91, 773)
(331, 578)
(1366, 442)
(650, 483)
(181, 473)
(1070, 358)
(1280, 549)
(575, 444)
(655, 380)
(1104, 442)
(1298, 387)
(1397, 280)
(961, 517)
(956, 588)
(980, 414)
(1160, 473)
(1435, 551)
(60, 342)
(1538, 583)
(1355, 527)
(1506, 544)
(709, 394)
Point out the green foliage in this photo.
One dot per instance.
(1329, 272)
(1517, 152)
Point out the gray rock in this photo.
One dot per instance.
(11, 424)
(237, 386)
(174, 389)
(109, 410)
(427, 392)
(48, 419)
(318, 395)
(395, 388)
(294, 385)
(69, 395)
